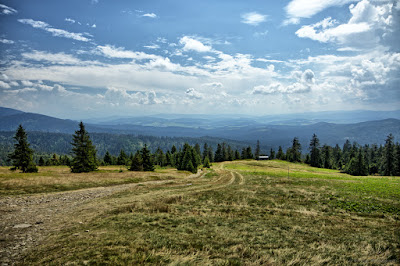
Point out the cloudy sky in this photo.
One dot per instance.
(92, 58)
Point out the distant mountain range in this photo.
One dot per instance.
(272, 131)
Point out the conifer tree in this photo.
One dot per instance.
(22, 157)
(357, 165)
(387, 165)
(122, 158)
(137, 162)
(295, 151)
(315, 157)
(148, 164)
(84, 152)
(280, 155)
(272, 154)
(41, 161)
(206, 162)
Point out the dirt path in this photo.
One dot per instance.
(27, 220)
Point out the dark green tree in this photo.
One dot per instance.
(219, 157)
(280, 155)
(122, 158)
(41, 161)
(272, 154)
(84, 152)
(388, 162)
(206, 162)
(327, 156)
(397, 160)
(137, 162)
(295, 151)
(22, 157)
(357, 165)
(147, 159)
(315, 156)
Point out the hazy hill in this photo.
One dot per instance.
(245, 128)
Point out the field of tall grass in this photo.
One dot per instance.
(243, 212)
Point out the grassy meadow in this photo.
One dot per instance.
(237, 213)
(60, 178)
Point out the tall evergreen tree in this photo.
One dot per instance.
(357, 165)
(137, 162)
(219, 157)
(22, 157)
(387, 165)
(84, 152)
(315, 156)
(122, 158)
(147, 159)
(272, 154)
(327, 156)
(206, 162)
(397, 160)
(205, 152)
(280, 155)
(295, 151)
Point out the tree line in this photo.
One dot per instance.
(353, 158)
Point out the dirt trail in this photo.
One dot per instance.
(27, 220)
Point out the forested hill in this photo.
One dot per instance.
(247, 129)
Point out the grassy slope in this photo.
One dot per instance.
(252, 215)
(60, 178)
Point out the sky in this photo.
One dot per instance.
(99, 58)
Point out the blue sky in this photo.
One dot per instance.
(86, 58)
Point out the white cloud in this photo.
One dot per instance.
(70, 20)
(26, 83)
(268, 89)
(94, 26)
(6, 10)
(149, 15)
(260, 34)
(153, 46)
(5, 41)
(54, 58)
(253, 18)
(191, 44)
(4, 85)
(193, 94)
(298, 9)
(55, 32)
(371, 24)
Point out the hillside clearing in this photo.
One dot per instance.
(242, 212)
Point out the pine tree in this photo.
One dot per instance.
(295, 151)
(122, 158)
(219, 157)
(84, 152)
(148, 164)
(272, 154)
(397, 160)
(258, 150)
(22, 157)
(41, 161)
(206, 162)
(137, 162)
(205, 152)
(280, 155)
(315, 157)
(237, 155)
(387, 166)
(357, 165)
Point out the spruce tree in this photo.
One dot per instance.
(295, 151)
(22, 157)
(137, 162)
(315, 156)
(272, 154)
(122, 158)
(357, 165)
(206, 162)
(148, 164)
(387, 166)
(84, 152)
(280, 155)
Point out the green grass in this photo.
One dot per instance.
(60, 178)
(315, 216)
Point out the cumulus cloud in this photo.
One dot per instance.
(4, 85)
(298, 9)
(370, 24)
(5, 41)
(149, 15)
(268, 89)
(6, 10)
(191, 44)
(253, 18)
(193, 94)
(55, 32)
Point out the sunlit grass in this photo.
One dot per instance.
(216, 219)
(60, 178)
